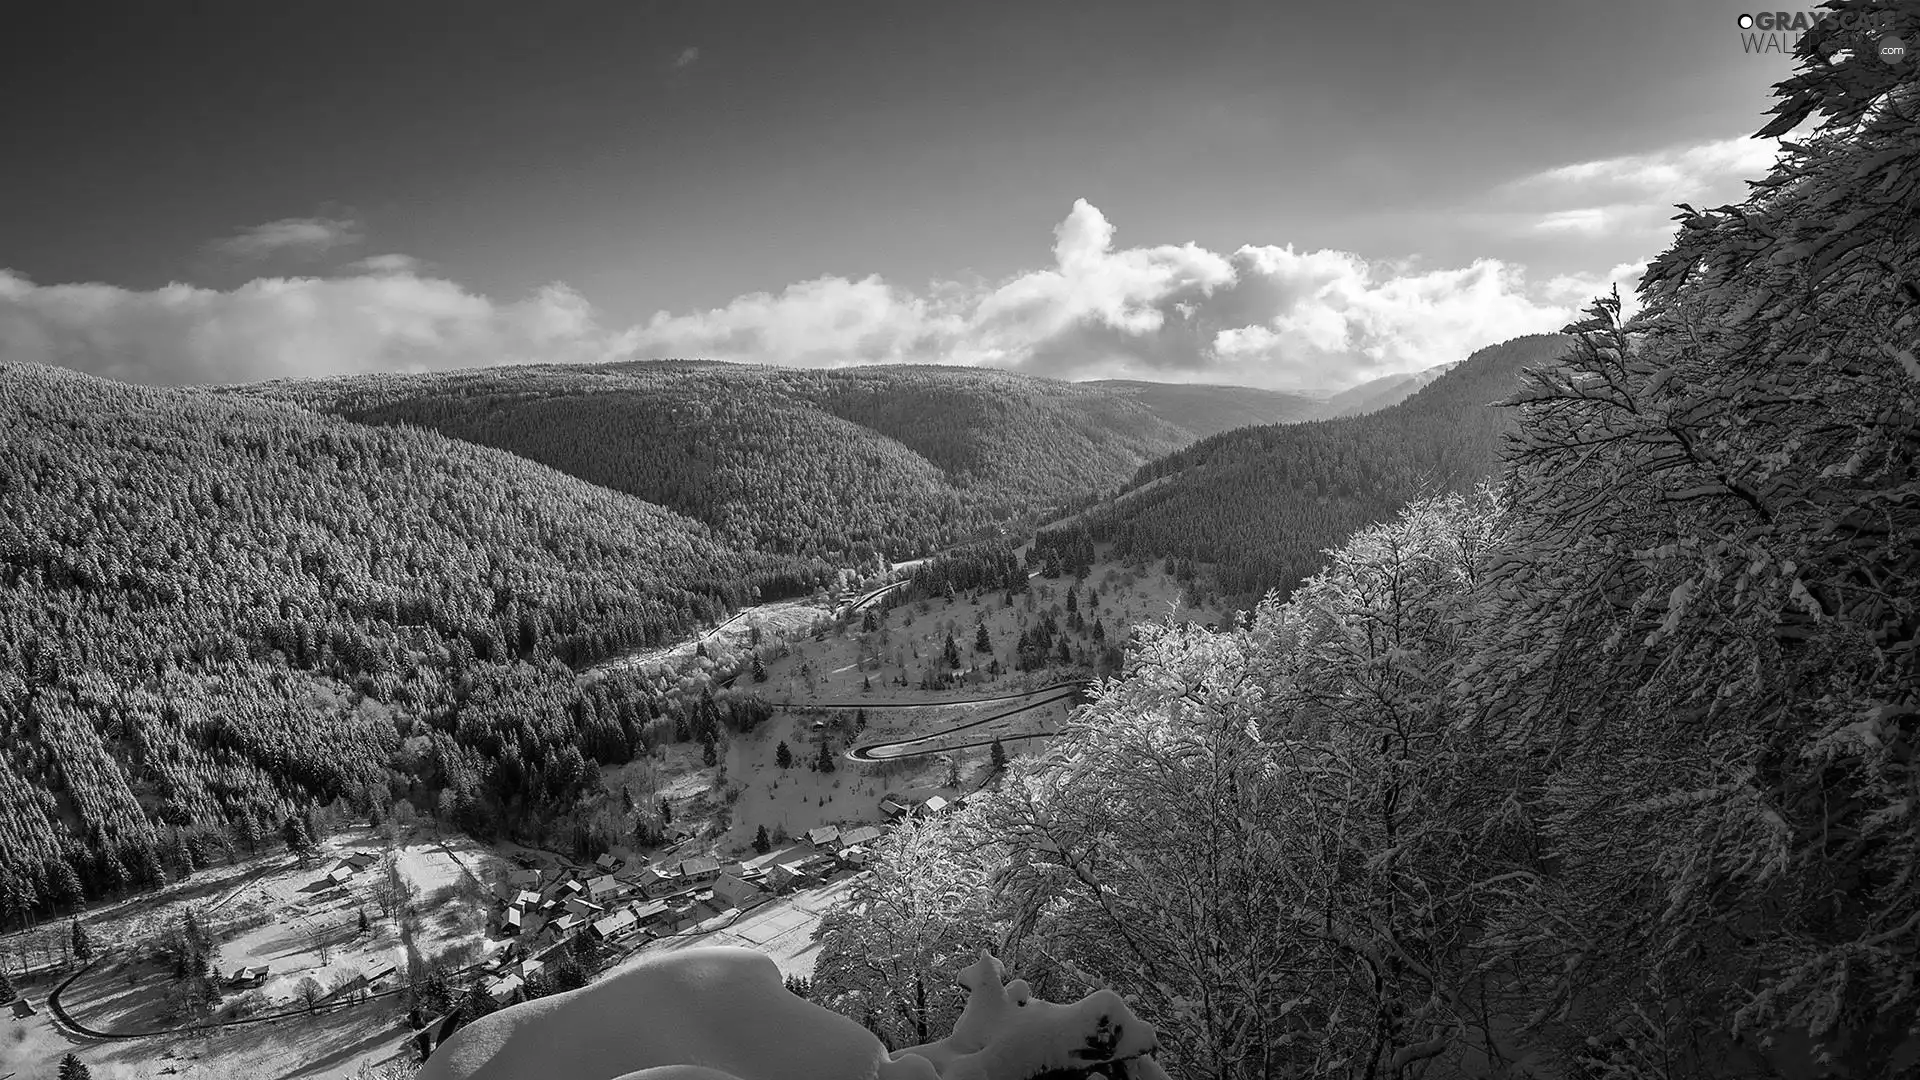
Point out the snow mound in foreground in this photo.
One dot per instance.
(725, 1014)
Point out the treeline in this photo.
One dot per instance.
(988, 566)
(1261, 506)
(1607, 770)
(215, 612)
(848, 465)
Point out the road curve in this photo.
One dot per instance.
(865, 754)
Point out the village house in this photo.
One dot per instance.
(586, 909)
(565, 924)
(607, 863)
(652, 882)
(340, 875)
(360, 860)
(894, 808)
(506, 990)
(699, 870)
(934, 805)
(785, 876)
(525, 898)
(252, 976)
(380, 971)
(604, 888)
(733, 892)
(510, 923)
(823, 837)
(614, 925)
(652, 912)
(862, 836)
(524, 879)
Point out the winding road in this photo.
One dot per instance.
(1044, 696)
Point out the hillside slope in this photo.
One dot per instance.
(1264, 503)
(898, 460)
(1204, 409)
(1384, 392)
(214, 611)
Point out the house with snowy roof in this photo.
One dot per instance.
(730, 891)
(698, 870)
(614, 925)
(861, 836)
(823, 837)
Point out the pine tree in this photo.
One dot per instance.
(759, 667)
(1099, 631)
(294, 832)
(952, 653)
(783, 756)
(999, 757)
(859, 720)
(364, 924)
(666, 812)
(762, 843)
(1066, 656)
(825, 763)
(982, 643)
(709, 753)
(6, 988)
(72, 1068)
(82, 941)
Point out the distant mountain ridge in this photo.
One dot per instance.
(1388, 390)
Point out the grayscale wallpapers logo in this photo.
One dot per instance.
(1780, 32)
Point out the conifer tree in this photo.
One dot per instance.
(999, 756)
(783, 756)
(82, 941)
(72, 1068)
(825, 762)
(6, 987)
(982, 643)
(762, 843)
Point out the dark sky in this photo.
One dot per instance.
(673, 157)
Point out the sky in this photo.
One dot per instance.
(1291, 196)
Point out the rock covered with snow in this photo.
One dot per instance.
(726, 1014)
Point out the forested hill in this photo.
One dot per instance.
(897, 459)
(1264, 504)
(1205, 409)
(214, 611)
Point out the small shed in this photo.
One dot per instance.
(510, 922)
(340, 875)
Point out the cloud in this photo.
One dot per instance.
(1260, 315)
(1635, 193)
(275, 327)
(688, 57)
(1265, 316)
(301, 237)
